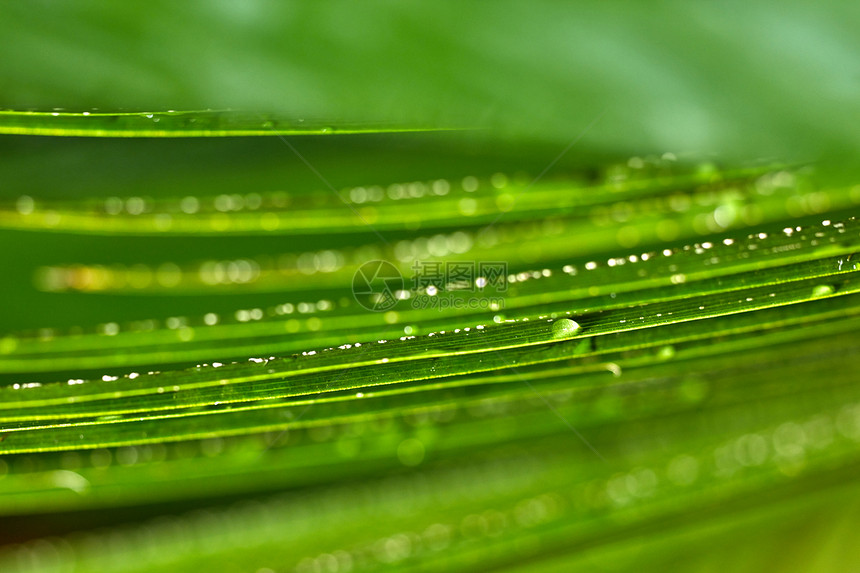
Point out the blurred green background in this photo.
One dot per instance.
(742, 78)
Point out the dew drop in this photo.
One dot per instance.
(25, 205)
(564, 328)
(470, 184)
(666, 352)
(8, 345)
(822, 290)
(614, 368)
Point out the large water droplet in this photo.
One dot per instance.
(822, 290)
(564, 328)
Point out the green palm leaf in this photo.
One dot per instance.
(611, 324)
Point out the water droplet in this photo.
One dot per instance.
(8, 345)
(822, 290)
(25, 205)
(69, 479)
(564, 328)
(666, 352)
(467, 206)
(614, 368)
(470, 184)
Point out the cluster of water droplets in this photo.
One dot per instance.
(648, 263)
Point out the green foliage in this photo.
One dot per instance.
(663, 377)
